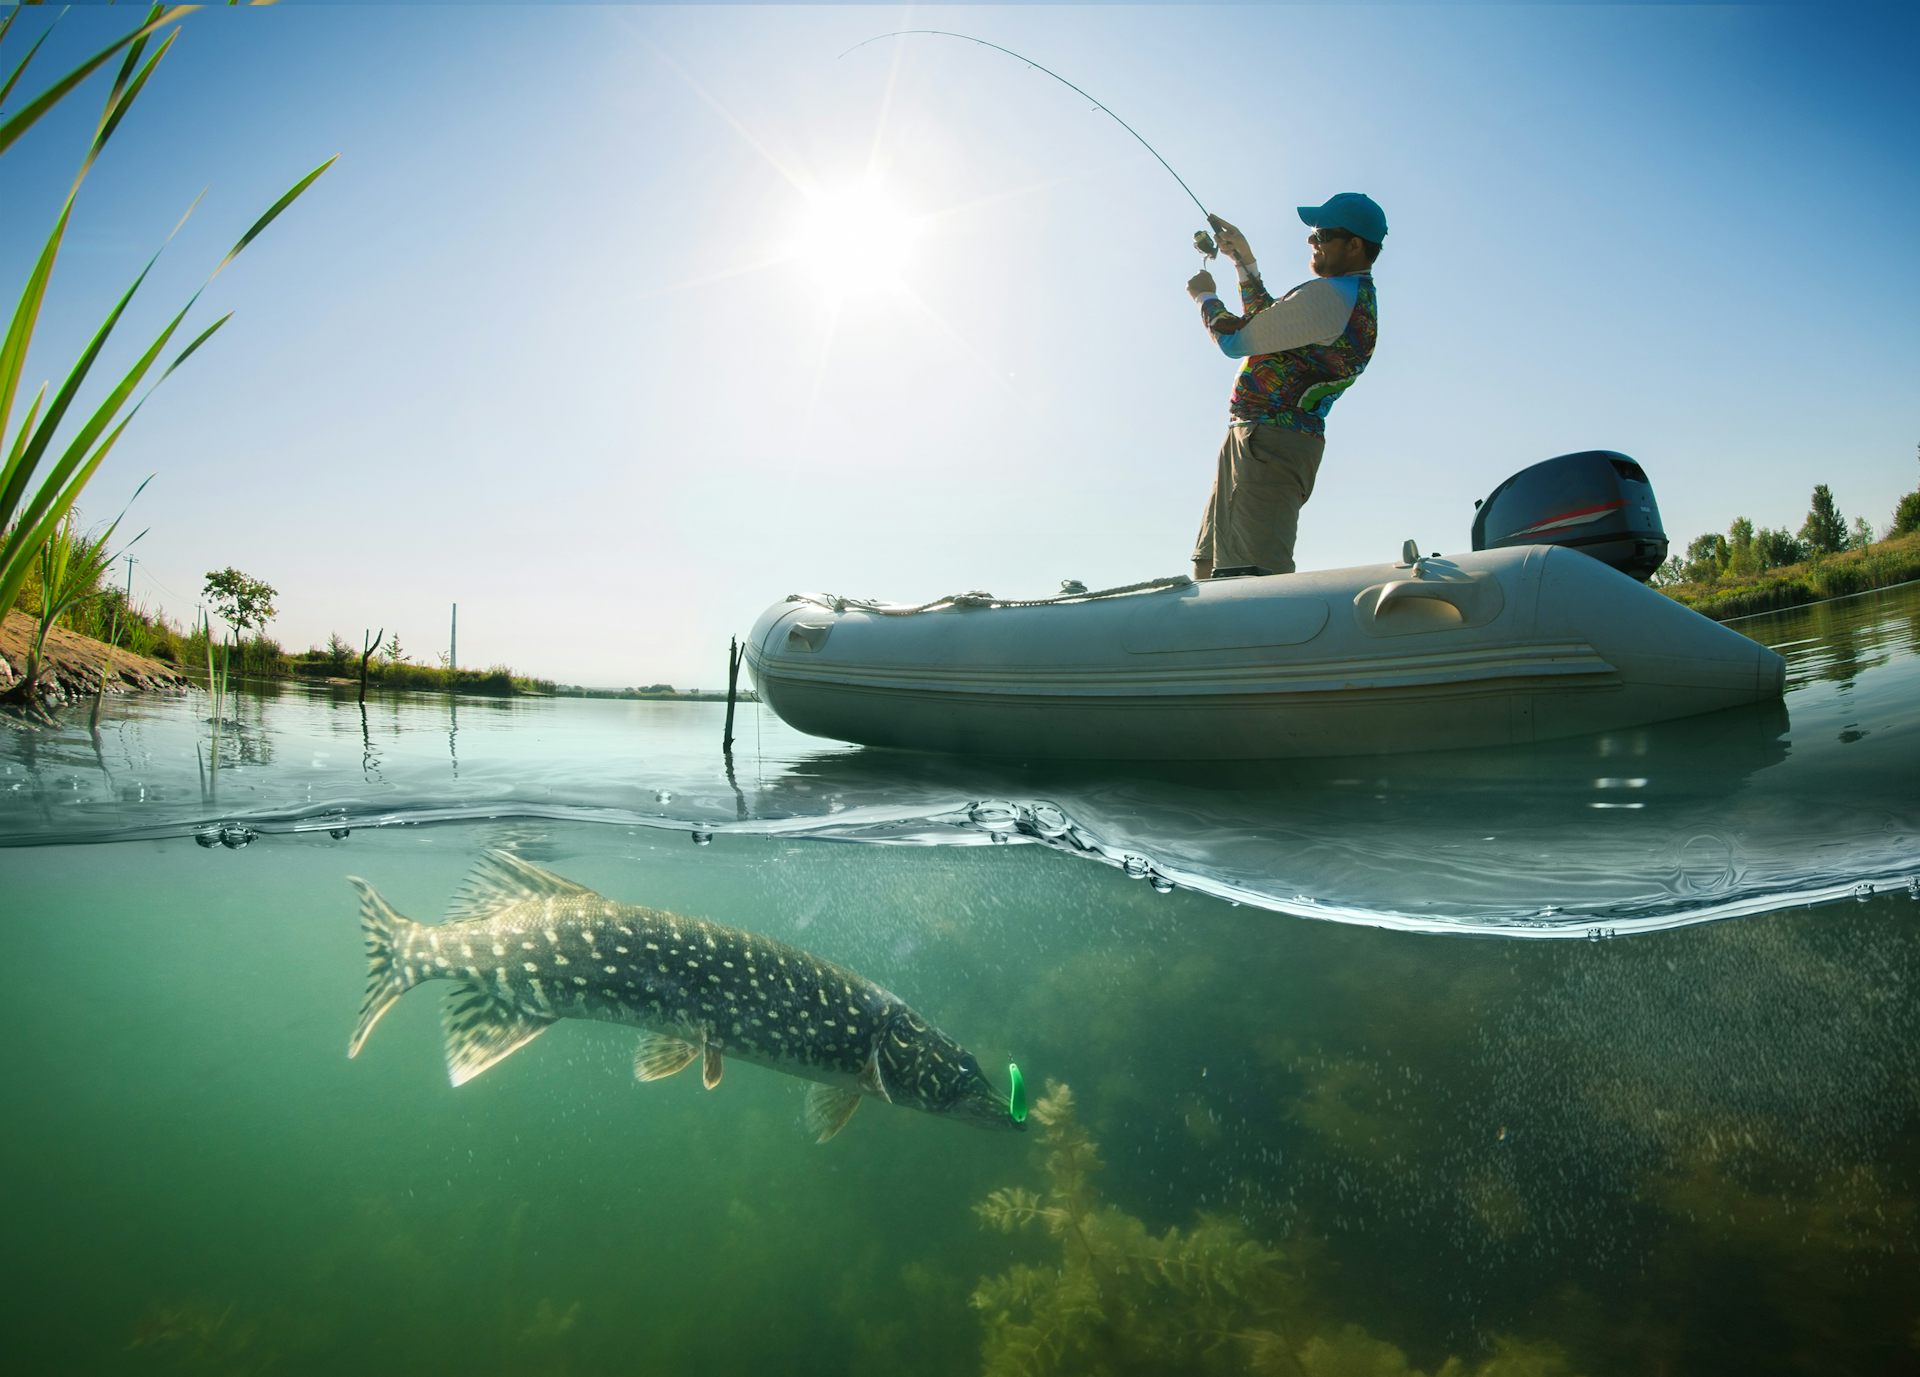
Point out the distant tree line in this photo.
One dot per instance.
(1746, 551)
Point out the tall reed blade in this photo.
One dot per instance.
(12, 128)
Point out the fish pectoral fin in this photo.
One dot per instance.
(870, 1078)
(483, 1029)
(828, 1109)
(659, 1056)
(711, 1065)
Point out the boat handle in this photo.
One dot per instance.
(1405, 589)
(808, 635)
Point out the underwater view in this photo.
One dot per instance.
(1597, 1057)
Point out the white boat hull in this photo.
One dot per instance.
(1493, 648)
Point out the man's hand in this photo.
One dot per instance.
(1201, 285)
(1232, 243)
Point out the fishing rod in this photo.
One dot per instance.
(1202, 241)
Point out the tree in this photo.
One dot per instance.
(240, 600)
(339, 651)
(1706, 557)
(1906, 516)
(1862, 535)
(1825, 530)
(1742, 559)
(392, 652)
(1776, 548)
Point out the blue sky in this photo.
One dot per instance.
(571, 334)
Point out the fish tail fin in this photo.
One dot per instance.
(386, 982)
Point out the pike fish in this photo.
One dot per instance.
(525, 948)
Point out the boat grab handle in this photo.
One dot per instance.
(1406, 590)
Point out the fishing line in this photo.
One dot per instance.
(1201, 240)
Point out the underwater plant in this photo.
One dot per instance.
(1120, 1299)
(195, 1338)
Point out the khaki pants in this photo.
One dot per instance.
(1265, 476)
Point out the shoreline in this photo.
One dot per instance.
(71, 667)
(1884, 564)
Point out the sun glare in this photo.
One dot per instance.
(854, 240)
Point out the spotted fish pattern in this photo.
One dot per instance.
(524, 948)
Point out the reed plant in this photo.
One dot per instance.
(70, 569)
(30, 515)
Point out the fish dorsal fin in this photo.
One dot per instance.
(712, 1064)
(483, 1029)
(870, 1077)
(502, 878)
(828, 1109)
(659, 1056)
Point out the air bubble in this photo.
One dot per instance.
(994, 815)
(207, 836)
(1046, 820)
(1862, 893)
(1161, 884)
(999, 838)
(233, 836)
(339, 833)
(1136, 867)
(663, 796)
(703, 839)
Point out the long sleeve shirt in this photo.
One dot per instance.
(1301, 351)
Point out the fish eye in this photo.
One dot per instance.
(968, 1066)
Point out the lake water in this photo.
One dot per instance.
(1355, 1115)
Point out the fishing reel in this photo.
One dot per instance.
(1203, 245)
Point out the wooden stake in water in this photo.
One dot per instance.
(366, 653)
(733, 690)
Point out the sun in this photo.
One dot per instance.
(854, 240)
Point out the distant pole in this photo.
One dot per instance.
(733, 690)
(129, 597)
(453, 646)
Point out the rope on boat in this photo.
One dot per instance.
(976, 598)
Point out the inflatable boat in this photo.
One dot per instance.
(1544, 630)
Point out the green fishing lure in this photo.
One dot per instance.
(1017, 1095)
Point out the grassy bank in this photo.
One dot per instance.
(1879, 565)
(497, 681)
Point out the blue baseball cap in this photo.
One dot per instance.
(1353, 211)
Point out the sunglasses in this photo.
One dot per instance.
(1330, 236)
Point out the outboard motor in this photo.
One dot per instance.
(1597, 501)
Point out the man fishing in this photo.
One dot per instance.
(1301, 352)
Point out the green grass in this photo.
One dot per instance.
(1880, 565)
(497, 681)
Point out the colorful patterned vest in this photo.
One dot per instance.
(1297, 388)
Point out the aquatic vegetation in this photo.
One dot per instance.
(195, 1338)
(1122, 1299)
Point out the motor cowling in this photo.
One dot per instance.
(1597, 501)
